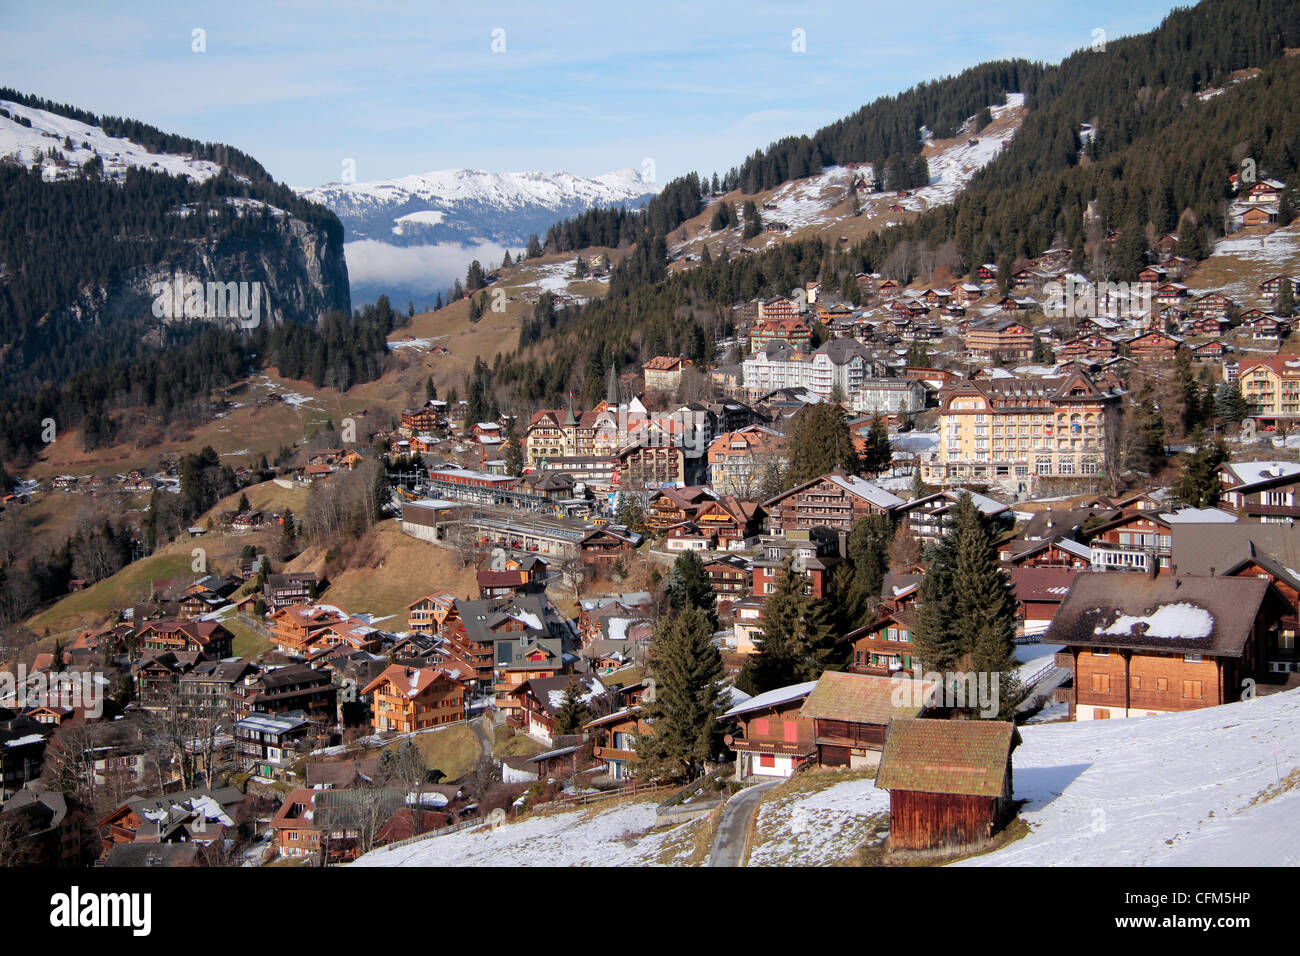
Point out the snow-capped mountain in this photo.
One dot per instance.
(471, 205)
(412, 237)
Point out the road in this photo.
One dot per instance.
(482, 727)
(729, 843)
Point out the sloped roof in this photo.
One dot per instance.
(772, 698)
(966, 757)
(865, 698)
(1178, 613)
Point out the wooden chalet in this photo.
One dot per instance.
(407, 699)
(615, 735)
(773, 739)
(949, 782)
(850, 714)
(1142, 644)
(834, 500)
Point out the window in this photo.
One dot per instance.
(1191, 658)
(1101, 683)
(1192, 689)
(1137, 683)
(791, 731)
(766, 760)
(762, 725)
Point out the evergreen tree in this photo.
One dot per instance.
(984, 602)
(514, 449)
(868, 546)
(688, 585)
(1146, 452)
(243, 503)
(628, 511)
(1198, 484)
(878, 456)
(1285, 304)
(782, 642)
(534, 248)
(573, 712)
(753, 222)
(819, 441)
(936, 637)
(1229, 404)
(689, 697)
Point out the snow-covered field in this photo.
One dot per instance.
(1275, 253)
(1178, 790)
(816, 829)
(952, 169)
(49, 130)
(617, 836)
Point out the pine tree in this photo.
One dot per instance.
(534, 249)
(573, 712)
(937, 640)
(1285, 304)
(878, 456)
(868, 546)
(782, 642)
(514, 449)
(1229, 404)
(628, 512)
(688, 700)
(1146, 453)
(819, 441)
(688, 585)
(984, 603)
(1198, 484)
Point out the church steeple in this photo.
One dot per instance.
(611, 384)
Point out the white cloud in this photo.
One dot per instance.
(371, 262)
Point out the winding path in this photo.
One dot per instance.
(729, 843)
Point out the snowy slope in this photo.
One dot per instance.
(819, 828)
(1175, 790)
(30, 147)
(614, 837)
(1179, 790)
(952, 168)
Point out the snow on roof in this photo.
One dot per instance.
(864, 489)
(773, 697)
(1199, 516)
(1181, 620)
(1249, 472)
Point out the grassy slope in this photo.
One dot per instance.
(95, 604)
(393, 570)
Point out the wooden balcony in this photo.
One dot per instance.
(613, 753)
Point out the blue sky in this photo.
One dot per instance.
(402, 88)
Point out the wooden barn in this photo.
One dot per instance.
(949, 782)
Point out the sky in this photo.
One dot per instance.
(402, 88)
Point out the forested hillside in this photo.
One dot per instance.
(1115, 140)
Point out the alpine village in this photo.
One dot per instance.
(886, 500)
